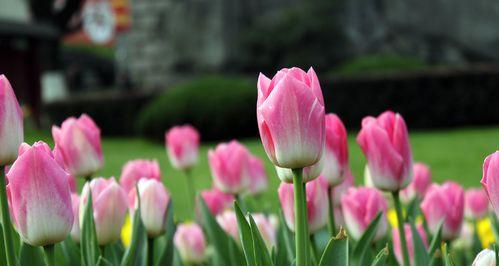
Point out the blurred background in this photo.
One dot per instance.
(139, 67)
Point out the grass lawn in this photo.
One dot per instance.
(452, 154)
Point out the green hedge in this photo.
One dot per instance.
(220, 107)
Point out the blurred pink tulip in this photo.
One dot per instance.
(486, 257)
(228, 222)
(385, 143)
(134, 170)
(182, 143)
(11, 123)
(490, 179)
(217, 201)
(267, 229)
(339, 190)
(476, 203)
(39, 197)
(190, 243)
(336, 152)
(78, 146)
(259, 182)
(154, 201)
(360, 206)
(229, 164)
(109, 203)
(75, 230)
(397, 249)
(421, 181)
(316, 196)
(309, 173)
(444, 203)
(290, 114)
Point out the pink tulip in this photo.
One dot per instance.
(11, 123)
(267, 229)
(360, 206)
(397, 249)
(39, 197)
(421, 181)
(229, 164)
(444, 203)
(109, 203)
(476, 203)
(228, 222)
(486, 257)
(339, 190)
(75, 230)
(385, 143)
(154, 201)
(336, 152)
(316, 196)
(190, 243)
(309, 173)
(78, 146)
(259, 182)
(490, 179)
(217, 201)
(182, 144)
(290, 114)
(134, 170)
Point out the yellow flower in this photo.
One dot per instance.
(126, 232)
(485, 232)
(392, 217)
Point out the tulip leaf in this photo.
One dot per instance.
(71, 252)
(289, 238)
(447, 258)
(113, 253)
(3, 259)
(336, 252)
(216, 235)
(261, 251)
(381, 258)
(281, 251)
(421, 257)
(435, 242)
(360, 250)
(245, 235)
(166, 253)
(136, 254)
(30, 255)
(89, 246)
(495, 225)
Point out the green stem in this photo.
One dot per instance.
(400, 223)
(150, 251)
(331, 226)
(313, 250)
(49, 255)
(300, 223)
(6, 223)
(190, 188)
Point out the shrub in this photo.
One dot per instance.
(375, 64)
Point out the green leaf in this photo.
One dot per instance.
(246, 236)
(261, 252)
(166, 253)
(289, 238)
(435, 242)
(71, 252)
(30, 255)
(89, 246)
(421, 257)
(3, 259)
(360, 251)
(113, 253)
(381, 258)
(216, 235)
(336, 252)
(281, 251)
(495, 225)
(136, 254)
(447, 258)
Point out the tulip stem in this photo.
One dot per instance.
(300, 219)
(331, 225)
(400, 224)
(150, 251)
(49, 255)
(6, 223)
(190, 188)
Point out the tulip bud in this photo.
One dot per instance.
(360, 207)
(109, 203)
(444, 203)
(190, 243)
(134, 170)
(258, 178)
(476, 203)
(229, 164)
(309, 173)
(397, 249)
(490, 179)
(78, 146)
(228, 222)
(182, 144)
(154, 201)
(39, 197)
(336, 152)
(316, 197)
(11, 123)
(267, 229)
(290, 114)
(385, 143)
(217, 201)
(75, 230)
(339, 190)
(486, 257)
(421, 181)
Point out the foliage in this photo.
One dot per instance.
(378, 64)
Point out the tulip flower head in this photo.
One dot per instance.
(490, 179)
(267, 229)
(444, 203)
(217, 201)
(78, 146)
(309, 173)
(190, 243)
(339, 190)
(75, 230)
(39, 197)
(421, 181)
(385, 143)
(290, 114)
(336, 151)
(182, 143)
(11, 123)
(397, 249)
(258, 182)
(486, 257)
(135, 170)
(228, 222)
(476, 203)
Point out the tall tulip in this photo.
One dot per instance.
(490, 179)
(134, 170)
(154, 201)
(75, 230)
(421, 181)
(78, 146)
(39, 197)
(486, 257)
(228, 222)
(109, 203)
(11, 123)
(258, 178)
(408, 233)
(444, 203)
(360, 207)
(476, 203)
(229, 164)
(190, 243)
(309, 173)
(217, 201)
(182, 143)
(336, 152)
